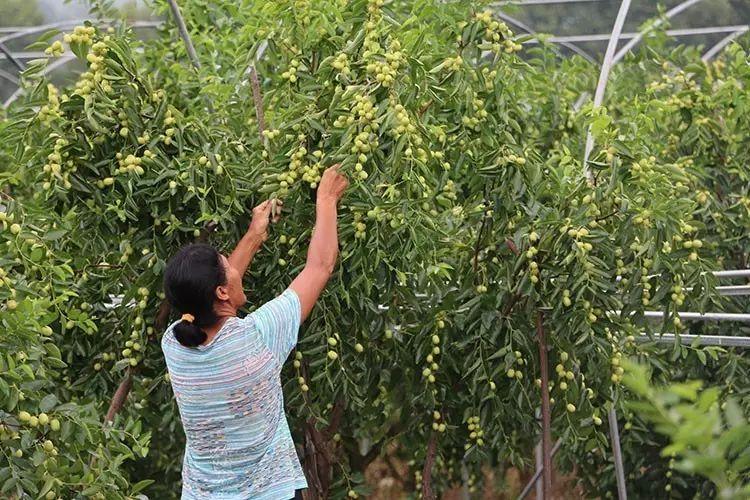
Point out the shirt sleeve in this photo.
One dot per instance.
(278, 322)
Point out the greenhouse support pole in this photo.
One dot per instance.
(721, 44)
(9, 77)
(537, 474)
(667, 15)
(539, 465)
(48, 69)
(527, 29)
(546, 418)
(604, 78)
(184, 33)
(614, 436)
(12, 58)
(464, 492)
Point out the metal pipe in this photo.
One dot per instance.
(30, 30)
(72, 22)
(10, 77)
(11, 29)
(523, 3)
(604, 78)
(7, 53)
(537, 473)
(38, 54)
(464, 493)
(730, 290)
(48, 69)
(539, 464)
(530, 31)
(668, 15)
(603, 37)
(184, 33)
(710, 53)
(733, 273)
(614, 437)
(64, 59)
(730, 273)
(719, 340)
(698, 316)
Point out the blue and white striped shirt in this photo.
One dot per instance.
(232, 407)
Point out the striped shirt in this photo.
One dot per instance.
(238, 444)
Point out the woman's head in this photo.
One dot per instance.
(201, 281)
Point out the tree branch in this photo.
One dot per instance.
(258, 100)
(336, 414)
(485, 220)
(512, 246)
(121, 394)
(429, 461)
(311, 466)
(424, 108)
(318, 458)
(546, 413)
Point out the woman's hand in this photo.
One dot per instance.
(332, 184)
(262, 215)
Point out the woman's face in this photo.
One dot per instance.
(232, 292)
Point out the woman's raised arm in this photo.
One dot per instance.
(324, 245)
(256, 235)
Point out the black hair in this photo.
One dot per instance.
(190, 282)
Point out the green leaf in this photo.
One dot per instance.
(48, 402)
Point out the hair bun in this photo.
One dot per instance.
(188, 334)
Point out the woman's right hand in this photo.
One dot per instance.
(332, 184)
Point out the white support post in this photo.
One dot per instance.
(182, 28)
(614, 436)
(543, 2)
(718, 340)
(604, 37)
(539, 464)
(519, 24)
(733, 273)
(729, 290)
(711, 53)
(464, 493)
(701, 316)
(604, 78)
(41, 28)
(61, 61)
(668, 15)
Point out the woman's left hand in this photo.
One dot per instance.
(262, 215)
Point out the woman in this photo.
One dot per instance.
(225, 370)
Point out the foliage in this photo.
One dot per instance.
(707, 436)
(468, 216)
(52, 438)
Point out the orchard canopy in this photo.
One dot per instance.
(469, 226)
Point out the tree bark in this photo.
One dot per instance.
(429, 461)
(121, 394)
(318, 459)
(258, 100)
(546, 419)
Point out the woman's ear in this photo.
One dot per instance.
(222, 293)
